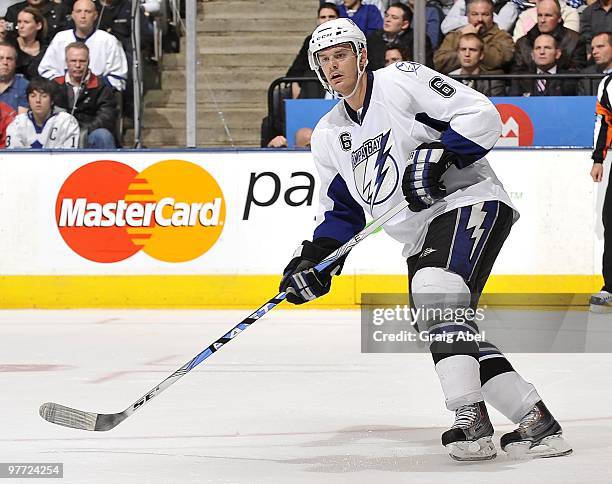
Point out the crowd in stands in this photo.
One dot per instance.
(76, 53)
(479, 37)
(476, 37)
(463, 37)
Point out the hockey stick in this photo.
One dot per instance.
(78, 419)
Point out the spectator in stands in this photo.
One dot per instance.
(7, 114)
(457, 18)
(381, 5)
(12, 86)
(115, 17)
(30, 43)
(471, 53)
(302, 139)
(433, 20)
(498, 45)
(88, 99)
(529, 18)
(546, 55)
(278, 141)
(367, 17)
(601, 47)
(3, 31)
(106, 55)
(43, 126)
(300, 66)
(5, 4)
(396, 31)
(572, 46)
(597, 17)
(395, 54)
(56, 15)
(445, 5)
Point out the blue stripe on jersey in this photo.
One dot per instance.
(436, 124)
(468, 151)
(345, 219)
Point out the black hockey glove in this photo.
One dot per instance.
(301, 281)
(421, 183)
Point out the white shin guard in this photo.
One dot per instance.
(459, 374)
(511, 395)
(460, 380)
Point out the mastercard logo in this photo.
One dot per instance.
(173, 211)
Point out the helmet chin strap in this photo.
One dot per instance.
(359, 74)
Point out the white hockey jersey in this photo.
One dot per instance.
(61, 130)
(361, 156)
(106, 57)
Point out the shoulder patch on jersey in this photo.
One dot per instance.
(408, 66)
(442, 87)
(345, 141)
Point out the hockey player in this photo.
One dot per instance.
(42, 126)
(408, 131)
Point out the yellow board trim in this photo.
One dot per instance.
(240, 291)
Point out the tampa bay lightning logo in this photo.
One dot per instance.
(375, 170)
(408, 66)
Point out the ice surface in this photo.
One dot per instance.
(292, 400)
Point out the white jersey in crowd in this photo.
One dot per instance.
(361, 156)
(61, 130)
(106, 57)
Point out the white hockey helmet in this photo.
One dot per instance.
(329, 34)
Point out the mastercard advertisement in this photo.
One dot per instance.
(173, 211)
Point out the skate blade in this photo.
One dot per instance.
(552, 446)
(474, 450)
(600, 308)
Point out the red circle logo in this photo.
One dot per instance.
(517, 128)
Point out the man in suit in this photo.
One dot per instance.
(550, 21)
(601, 48)
(545, 55)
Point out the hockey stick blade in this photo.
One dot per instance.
(78, 419)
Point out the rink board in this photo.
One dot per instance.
(270, 198)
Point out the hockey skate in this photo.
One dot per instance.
(538, 435)
(601, 302)
(469, 439)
